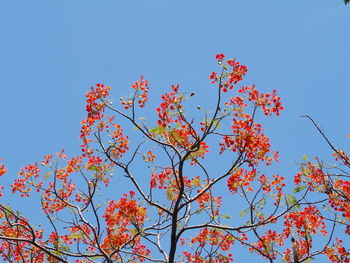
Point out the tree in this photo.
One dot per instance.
(346, 1)
(173, 210)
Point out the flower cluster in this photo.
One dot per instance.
(313, 176)
(124, 220)
(83, 234)
(170, 106)
(95, 113)
(2, 172)
(342, 156)
(119, 144)
(141, 94)
(25, 182)
(302, 225)
(248, 140)
(339, 198)
(316, 179)
(208, 201)
(305, 222)
(54, 200)
(247, 137)
(267, 243)
(233, 72)
(97, 119)
(202, 150)
(240, 178)
(19, 228)
(270, 103)
(2, 169)
(189, 193)
(212, 243)
(338, 253)
(149, 156)
(161, 180)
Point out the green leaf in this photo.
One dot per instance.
(325, 207)
(258, 214)
(297, 189)
(216, 123)
(243, 212)
(262, 203)
(292, 200)
(76, 235)
(226, 216)
(93, 168)
(248, 223)
(135, 231)
(308, 260)
(47, 175)
(157, 130)
(170, 195)
(64, 248)
(142, 118)
(9, 208)
(305, 157)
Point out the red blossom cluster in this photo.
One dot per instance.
(302, 225)
(208, 200)
(141, 94)
(119, 145)
(59, 240)
(268, 242)
(339, 198)
(338, 253)
(98, 121)
(167, 180)
(125, 220)
(171, 105)
(241, 178)
(69, 185)
(233, 72)
(2, 169)
(161, 180)
(305, 222)
(210, 239)
(247, 139)
(247, 136)
(149, 157)
(342, 156)
(313, 176)
(175, 129)
(19, 228)
(338, 190)
(95, 113)
(270, 103)
(200, 153)
(26, 174)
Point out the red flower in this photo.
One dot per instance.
(213, 77)
(220, 57)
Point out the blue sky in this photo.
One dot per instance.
(53, 51)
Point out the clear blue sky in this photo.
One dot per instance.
(51, 52)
